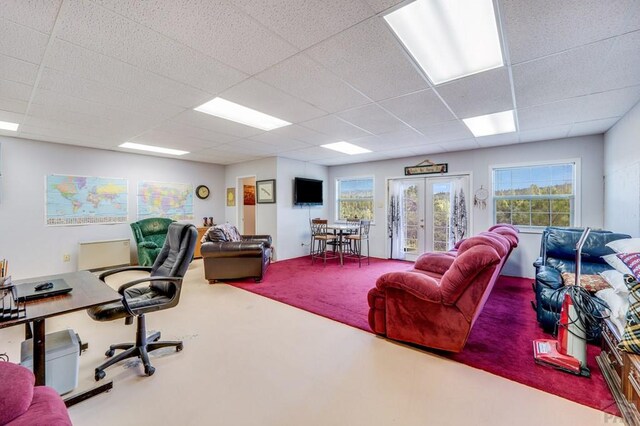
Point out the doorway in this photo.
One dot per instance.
(247, 205)
(431, 214)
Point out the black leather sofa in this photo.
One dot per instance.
(557, 255)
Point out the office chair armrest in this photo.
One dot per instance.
(105, 274)
(176, 281)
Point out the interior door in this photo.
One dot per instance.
(426, 212)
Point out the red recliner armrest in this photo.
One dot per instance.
(421, 286)
(435, 262)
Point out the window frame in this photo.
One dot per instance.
(336, 199)
(577, 192)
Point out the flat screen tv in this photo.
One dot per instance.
(307, 192)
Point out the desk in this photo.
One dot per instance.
(88, 291)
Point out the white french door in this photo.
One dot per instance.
(425, 207)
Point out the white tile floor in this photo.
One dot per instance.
(248, 360)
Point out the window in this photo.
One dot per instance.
(354, 198)
(536, 195)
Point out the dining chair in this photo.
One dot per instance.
(357, 239)
(319, 239)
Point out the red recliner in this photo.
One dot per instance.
(436, 303)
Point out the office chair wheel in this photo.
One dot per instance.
(109, 353)
(100, 374)
(149, 370)
(179, 347)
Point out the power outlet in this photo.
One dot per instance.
(66, 257)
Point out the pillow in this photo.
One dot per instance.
(591, 283)
(630, 341)
(213, 234)
(615, 263)
(230, 231)
(632, 261)
(625, 245)
(616, 281)
(618, 307)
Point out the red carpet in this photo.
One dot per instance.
(500, 342)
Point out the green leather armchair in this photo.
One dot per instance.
(150, 235)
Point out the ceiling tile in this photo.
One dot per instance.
(551, 114)
(170, 140)
(373, 119)
(13, 105)
(614, 103)
(260, 96)
(335, 128)
(443, 132)
(538, 28)
(302, 134)
(560, 76)
(380, 5)
(21, 42)
(406, 137)
(354, 159)
(479, 94)
(217, 29)
(369, 58)
(13, 69)
(592, 127)
(419, 109)
(99, 30)
(279, 142)
(312, 154)
(623, 63)
(546, 133)
(218, 156)
(419, 150)
(244, 146)
(461, 145)
(77, 61)
(302, 77)
(206, 137)
(37, 15)
(14, 90)
(306, 22)
(219, 125)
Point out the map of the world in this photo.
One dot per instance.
(85, 200)
(163, 199)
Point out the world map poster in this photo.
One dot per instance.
(163, 199)
(85, 200)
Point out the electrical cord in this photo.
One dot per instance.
(4, 357)
(589, 310)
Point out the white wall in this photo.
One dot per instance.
(478, 162)
(34, 249)
(293, 221)
(266, 214)
(622, 174)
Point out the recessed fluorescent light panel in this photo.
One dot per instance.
(241, 114)
(6, 125)
(151, 148)
(346, 148)
(449, 39)
(491, 124)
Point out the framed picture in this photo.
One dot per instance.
(249, 195)
(266, 191)
(231, 197)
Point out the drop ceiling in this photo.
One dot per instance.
(103, 72)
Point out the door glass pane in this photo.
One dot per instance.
(411, 219)
(441, 215)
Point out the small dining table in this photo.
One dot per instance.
(341, 229)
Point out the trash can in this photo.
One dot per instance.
(61, 359)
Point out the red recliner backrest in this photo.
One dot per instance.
(475, 256)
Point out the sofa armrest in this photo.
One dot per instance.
(232, 249)
(549, 277)
(421, 286)
(266, 239)
(435, 262)
(147, 245)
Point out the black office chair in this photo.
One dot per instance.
(163, 292)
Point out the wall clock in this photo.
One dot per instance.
(202, 191)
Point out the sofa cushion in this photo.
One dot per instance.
(16, 390)
(214, 234)
(464, 270)
(625, 245)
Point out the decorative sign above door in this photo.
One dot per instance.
(426, 167)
